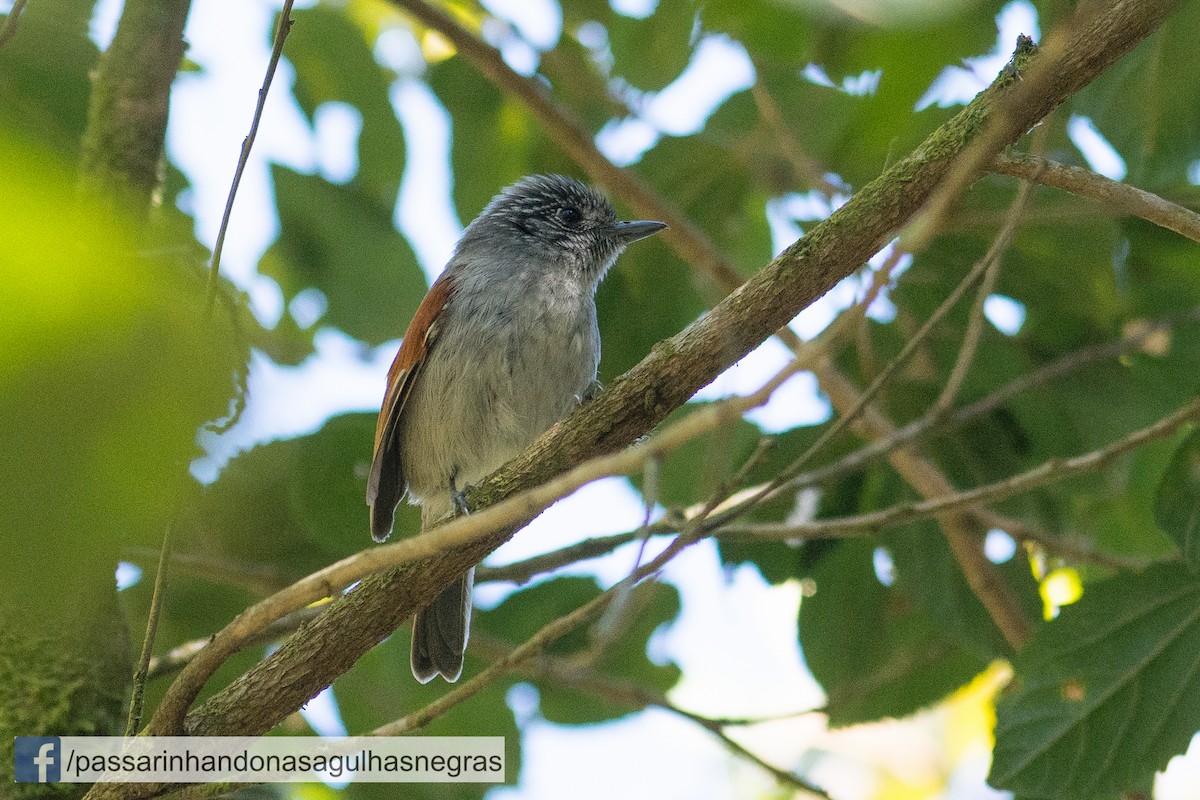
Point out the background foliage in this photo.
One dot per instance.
(107, 367)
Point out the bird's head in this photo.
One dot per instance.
(564, 222)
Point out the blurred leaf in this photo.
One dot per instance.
(667, 34)
(1106, 694)
(44, 75)
(1177, 506)
(495, 141)
(342, 241)
(1145, 104)
(577, 82)
(295, 505)
(108, 365)
(647, 297)
(927, 572)
(874, 654)
(334, 63)
(850, 128)
(723, 198)
(769, 29)
(524, 613)
(380, 688)
(700, 467)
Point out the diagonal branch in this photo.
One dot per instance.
(469, 531)
(665, 379)
(9, 28)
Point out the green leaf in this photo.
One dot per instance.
(1145, 103)
(1177, 506)
(44, 75)
(647, 297)
(698, 468)
(1106, 694)
(873, 652)
(293, 505)
(333, 61)
(724, 199)
(778, 31)
(667, 34)
(340, 239)
(108, 366)
(927, 572)
(381, 689)
(495, 141)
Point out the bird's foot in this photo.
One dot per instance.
(458, 498)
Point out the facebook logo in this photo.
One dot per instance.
(37, 759)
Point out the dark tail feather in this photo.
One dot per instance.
(440, 632)
(383, 513)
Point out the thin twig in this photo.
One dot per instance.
(531, 647)
(1051, 471)
(806, 167)
(966, 353)
(259, 579)
(1121, 197)
(614, 619)
(497, 669)
(569, 674)
(179, 657)
(773, 487)
(142, 674)
(12, 21)
(522, 571)
(1136, 338)
(281, 32)
(1063, 545)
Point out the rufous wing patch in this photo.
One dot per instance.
(386, 483)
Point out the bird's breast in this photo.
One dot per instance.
(506, 366)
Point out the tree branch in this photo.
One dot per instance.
(477, 532)
(1119, 196)
(127, 113)
(1051, 471)
(9, 29)
(1064, 50)
(669, 375)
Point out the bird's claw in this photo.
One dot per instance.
(459, 500)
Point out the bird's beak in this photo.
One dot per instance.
(632, 231)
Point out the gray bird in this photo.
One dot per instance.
(504, 345)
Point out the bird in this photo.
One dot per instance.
(503, 346)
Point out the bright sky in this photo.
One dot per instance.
(735, 638)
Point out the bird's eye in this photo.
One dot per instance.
(568, 216)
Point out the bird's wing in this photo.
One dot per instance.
(386, 484)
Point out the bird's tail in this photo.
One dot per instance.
(440, 632)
